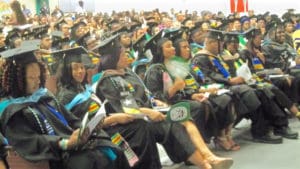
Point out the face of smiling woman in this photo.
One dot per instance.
(168, 50)
(78, 71)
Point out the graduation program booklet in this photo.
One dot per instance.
(94, 121)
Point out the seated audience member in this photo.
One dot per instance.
(125, 90)
(73, 85)
(33, 117)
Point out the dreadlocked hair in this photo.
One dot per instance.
(13, 78)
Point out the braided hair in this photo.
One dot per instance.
(13, 77)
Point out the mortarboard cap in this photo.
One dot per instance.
(58, 40)
(215, 34)
(67, 56)
(134, 27)
(139, 43)
(185, 20)
(173, 34)
(30, 43)
(152, 42)
(107, 46)
(82, 40)
(112, 22)
(21, 55)
(41, 34)
(11, 37)
(252, 32)
(77, 26)
(244, 19)
(231, 37)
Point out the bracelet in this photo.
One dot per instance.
(63, 144)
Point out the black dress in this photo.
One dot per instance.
(136, 133)
(39, 122)
(173, 136)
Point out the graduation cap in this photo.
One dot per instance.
(76, 26)
(107, 46)
(173, 34)
(185, 20)
(30, 43)
(21, 55)
(112, 22)
(231, 37)
(134, 27)
(58, 40)
(139, 43)
(67, 56)
(81, 41)
(11, 37)
(244, 19)
(43, 33)
(151, 25)
(252, 32)
(215, 34)
(152, 42)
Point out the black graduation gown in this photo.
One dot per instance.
(291, 91)
(278, 55)
(24, 124)
(273, 98)
(209, 119)
(136, 134)
(172, 136)
(245, 98)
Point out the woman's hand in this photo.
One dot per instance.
(179, 84)
(200, 97)
(153, 115)
(76, 140)
(160, 103)
(236, 81)
(122, 118)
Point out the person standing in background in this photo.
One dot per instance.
(80, 7)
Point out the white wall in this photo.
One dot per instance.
(260, 6)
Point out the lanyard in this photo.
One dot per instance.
(57, 114)
(218, 64)
(48, 126)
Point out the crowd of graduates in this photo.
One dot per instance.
(58, 69)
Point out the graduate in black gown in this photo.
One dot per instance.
(212, 66)
(123, 88)
(222, 103)
(39, 128)
(73, 86)
(256, 62)
(275, 99)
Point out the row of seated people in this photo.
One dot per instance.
(42, 127)
(33, 115)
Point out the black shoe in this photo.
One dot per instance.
(286, 132)
(269, 138)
